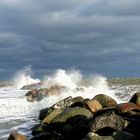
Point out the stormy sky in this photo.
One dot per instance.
(94, 36)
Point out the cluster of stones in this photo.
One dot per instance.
(100, 118)
(39, 94)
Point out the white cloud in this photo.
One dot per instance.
(10, 2)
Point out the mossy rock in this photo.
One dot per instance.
(105, 100)
(52, 115)
(71, 112)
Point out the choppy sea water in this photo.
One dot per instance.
(17, 114)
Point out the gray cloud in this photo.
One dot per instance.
(92, 35)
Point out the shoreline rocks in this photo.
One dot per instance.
(39, 94)
(100, 118)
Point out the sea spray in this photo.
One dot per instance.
(76, 85)
(24, 77)
(70, 79)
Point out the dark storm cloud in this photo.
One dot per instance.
(92, 35)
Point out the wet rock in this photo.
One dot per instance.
(69, 101)
(42, 128)
(45, 136)
(133, 126)
(16, 136)
(123, 136)
(37, 95)
(52, 115)
(131, 113)
(62, 104)
(44, 112)
(115, 136)
(56, 90)
(127, 107)
(106, 122)
(135, 98)
(93, 105)
(71, 112)
(105, 100)
(93, 136)
(32, 86)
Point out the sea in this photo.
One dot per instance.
(19, 115)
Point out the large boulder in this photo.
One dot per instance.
(36, 95)
(127, 107)
(71, 112)
(72, 123)
(62, 104)
(69, 101)
(52, 115)
(32, 86)
(39, 94)
(46, 136)
(16, 136)
(56, 90)
(115, 136)
(106, 122)
(105, 100)
(131, 113)
(135, 98)
(93, 105)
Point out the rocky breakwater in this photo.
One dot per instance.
(100, 118)
(39, 94)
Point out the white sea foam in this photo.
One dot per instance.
(61, 77)
(24, 77)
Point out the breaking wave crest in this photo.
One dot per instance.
(24, 77)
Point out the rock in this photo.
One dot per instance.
(32, 86)
(93, 136)
(32, 92)
(93, 105)
(133, 126)
(67, 102)
(44, 112)
(45, 136)
(16, 136)
(62, 104)
(105, 100)
(131, 112)
(52, 115)
(135, 98)
(115, 136)
(106, 122)
(56, 90)
(127, 107)
(77, 102)
(123, 136)
(37, 95)
(71, 112)
(41, 128)
(74, 127)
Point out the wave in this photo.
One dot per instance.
(60, 77)
(71, 79)
(24, 77)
